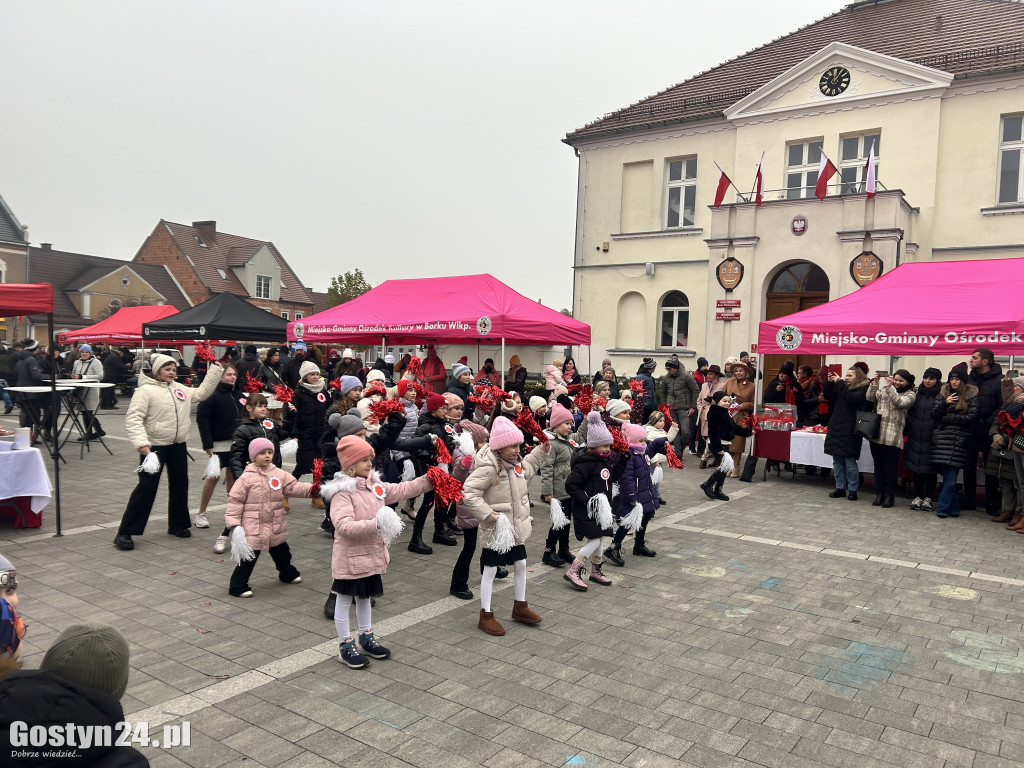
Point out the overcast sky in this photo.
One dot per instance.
(409, 139)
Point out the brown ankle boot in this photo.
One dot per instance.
(522, 612)
(318, 503)
(489, 624)
(1018, 526)
(1013, 522)
(1006, 517)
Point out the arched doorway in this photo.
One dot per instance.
(794, 288)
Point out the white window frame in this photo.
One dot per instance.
(1006, 147)
(298, 315)
(676, 312)
(682, 187)
(286, 314)
(269, 286)
(854, 170)
(807, 169)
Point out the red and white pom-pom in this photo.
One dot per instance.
(283, 393)
(415, 367)
(634, 519)
(444, 456)
(336, 384)
(289, 449)
(252, 383)
(212, 468)
(318, 474)
(205, 352)
(150, 465)
(447, 489)
(667, 413)
(600, 510)
(558, 518)
(389, 525)
(241, 552)
(504, 535)
(674, 462)
(528, 424)
(380, 410)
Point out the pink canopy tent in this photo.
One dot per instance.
(928, 308)
(468, 309)
(125, 325)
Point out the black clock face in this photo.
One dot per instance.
(834, 81)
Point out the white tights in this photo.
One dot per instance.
(518, 583)
(592, 547)
(341, 615)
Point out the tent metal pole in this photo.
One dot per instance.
(503, 353)
(53, 420)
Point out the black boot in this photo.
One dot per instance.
(639, 546)
(879, 498)
(329, 604)
(838, 493)
(417, 545)
(889, 501)
(719, 494)
(551, 558)
(502, 573)
(441, 536)
(708, 486)
(563, 546)
(614, 555)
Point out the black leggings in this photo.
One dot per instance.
(441, 514)
(925, 484)
(887, 459)
(282, 557)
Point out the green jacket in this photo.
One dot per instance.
(679, 391)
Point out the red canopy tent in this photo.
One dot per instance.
(469, 309)
(125, 325)
(927, 308)
(27, 299)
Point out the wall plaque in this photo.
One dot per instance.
(866, 268)
(729, 273)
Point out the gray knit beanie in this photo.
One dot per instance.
(346, 424)
(94, 656)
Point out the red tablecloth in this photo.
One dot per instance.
(771, 445)
(20, 508)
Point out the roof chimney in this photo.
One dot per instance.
(207, 230)
(46, 246)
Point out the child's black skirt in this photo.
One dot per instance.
(368, 586)
(492, 559)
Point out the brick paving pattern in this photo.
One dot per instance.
(781, 628)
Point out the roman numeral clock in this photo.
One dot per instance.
(834, 81)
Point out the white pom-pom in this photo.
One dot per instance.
(558, 518)
(443, 467)
(212, 468)
(727, 465)
(634, 519)
(408, 471)
(240, 549)
(658, 474)
(615, 490)
(150, 465)
(600, 510)
(389, 525)
(504, 535)
(289, 448)
(464, 441)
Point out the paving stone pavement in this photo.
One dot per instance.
(781, 628)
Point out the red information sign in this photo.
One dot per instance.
(728, 303)
(727, 315)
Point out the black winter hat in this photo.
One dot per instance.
(672, 362)
(933, 373)
(960, 371)
(717, 397)
(250, 349)
(650, 364)
(787, 368)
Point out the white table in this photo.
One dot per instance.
(23, 474)
(808, 448)
(34, 412)
(73, 399)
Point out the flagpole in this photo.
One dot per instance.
(732, 184)
(759, 164)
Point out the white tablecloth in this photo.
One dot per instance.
(22, 473)
(808, 448)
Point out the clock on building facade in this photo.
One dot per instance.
(834, 81)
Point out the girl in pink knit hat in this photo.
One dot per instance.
(498, 489)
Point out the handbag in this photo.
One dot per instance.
(868, 424)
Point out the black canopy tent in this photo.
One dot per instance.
(225, 316)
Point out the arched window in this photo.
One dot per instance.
(675, 320)
(630, 322)
(799, 278)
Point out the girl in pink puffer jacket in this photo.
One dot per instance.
(256, 503)
(363, 528)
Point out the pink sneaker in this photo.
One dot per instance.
(597, 576)
(575, 577)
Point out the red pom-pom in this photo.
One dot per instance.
(674, 462)
(751, 421)
(575, 388)
(447, 489)
(375, 388)
(601, 402)
(318, 473)
(492, 392)
(380, 410)
(205, 352)
(667, 413)
(484, 404)
(421, 391)
(528, 424)
(415, 367)
(444, 456)
(618, 441)
(252, 383)
(336, 384)
(584, 397)
(636, 386)
(283, 393)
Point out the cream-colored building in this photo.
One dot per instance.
(935, 86)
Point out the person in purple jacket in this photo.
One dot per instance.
(635, 487)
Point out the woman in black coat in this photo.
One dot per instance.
(217, 417)
(847, 397)
(955, 411)
(917, 453)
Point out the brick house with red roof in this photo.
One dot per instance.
(934, 87)
(206, 262)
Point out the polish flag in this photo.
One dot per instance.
(723, 186)
(759, 182)
(826, 170)
(869, 177)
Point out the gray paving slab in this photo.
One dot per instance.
(779, 629)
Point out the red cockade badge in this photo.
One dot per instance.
(275, 483)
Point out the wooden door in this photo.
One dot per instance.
(780, 305)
